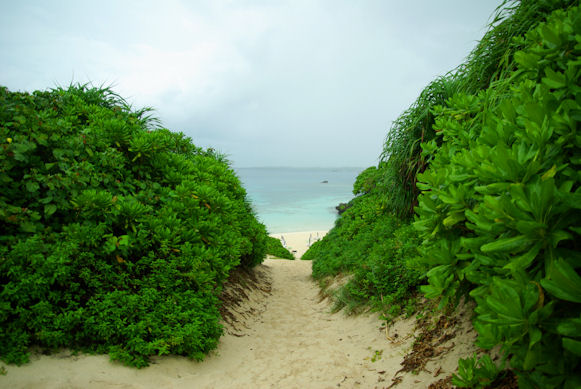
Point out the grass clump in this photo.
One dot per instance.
(116, 235)
(275, 248)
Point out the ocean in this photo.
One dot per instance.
(297, 199)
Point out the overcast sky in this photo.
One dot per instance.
(269, 83)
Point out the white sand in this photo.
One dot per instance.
(289, 341)
(299, 242)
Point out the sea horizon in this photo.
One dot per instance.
(294, 199)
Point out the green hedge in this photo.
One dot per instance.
(494, 149)
(500, 209)
(115, 236)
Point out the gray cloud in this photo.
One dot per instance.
(270, 83)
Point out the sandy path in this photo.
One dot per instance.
(292, 342)
(298, 344)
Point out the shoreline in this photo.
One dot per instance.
(298, 242)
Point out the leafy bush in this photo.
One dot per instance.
(387, 276)
(373, 245)
(494, 150)
(366, 181)
(115, 236)
(274, 247)
(500, 205)
(475, 373)
(491, 60)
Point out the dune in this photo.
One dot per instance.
(280, 334)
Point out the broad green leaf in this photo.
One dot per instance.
(554, 80)
(528, 227)
(495, 188)
(430, 291)
(570, 327)
(536, 113)
(123, 240)
(46, 200)
(488, 260)
(572, 200)
(558, 236)
(526, 60)
(541, 194)
(49, 209)
(535, 336)
(572, 345)
(523, 261)
(550, 37)
(533, 356)
(505, 302)
(488, 335)
(460, 177)
(32, 186)
(507, 244)
(453, 219)
(518, 194)
(447, 199)
(563, 282)
(472, 243)
(549, 173)
(480, 221)
(423, 186)
(440, 272)
(21, 151)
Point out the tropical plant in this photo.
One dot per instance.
(375, 247)
(500, 205)
(491, 60)
(116, 235)
(492, 151)
(475, 372)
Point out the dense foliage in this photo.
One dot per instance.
(490, 61)
(487, 162)
(372, 245)
(275, 248)
(500, 210)
(115, 236)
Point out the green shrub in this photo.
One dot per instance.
(475, 372)
(493, 147)
(500, 207)
(366, 181)
(274, 247)
(375, 247)
(115, 236)
(387, 274)
(490, 61)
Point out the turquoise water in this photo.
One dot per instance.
(296, 199)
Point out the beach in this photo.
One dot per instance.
(299, 242)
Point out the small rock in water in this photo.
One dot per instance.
(324, 182)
